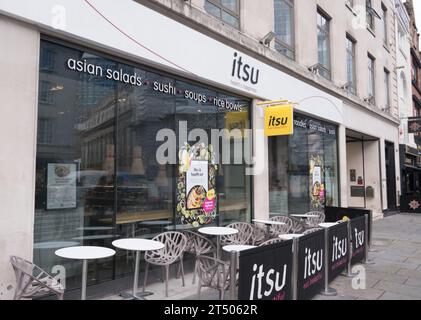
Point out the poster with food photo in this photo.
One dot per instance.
(196, 192)
(61, 186)
(317, 187)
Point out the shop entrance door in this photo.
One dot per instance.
(390, 176)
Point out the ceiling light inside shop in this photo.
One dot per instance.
(57, 87)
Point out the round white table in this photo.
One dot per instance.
(237, 248)
(137, 245)
(218, 232)
(85, 253)
(290, 236)
(327, 224)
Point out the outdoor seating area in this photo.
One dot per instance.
(207, 246)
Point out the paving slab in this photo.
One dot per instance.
(411, 291)
(395, 296)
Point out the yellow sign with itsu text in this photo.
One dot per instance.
(279, 120)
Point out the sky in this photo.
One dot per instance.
(417, 7)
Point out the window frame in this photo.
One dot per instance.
(278, 41)
(353, 87)
(371, 68)
(237, 15)
(327, 69)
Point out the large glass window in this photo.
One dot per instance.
(284, 27)
(303, 173)
(97, 173)
(323, 44)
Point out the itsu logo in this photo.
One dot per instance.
(244, 71)
(313, 262)
(359, 238)
(267, 281)
(340, 248)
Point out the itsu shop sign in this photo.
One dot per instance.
(311, 268)
(265, 273)
(338, 249)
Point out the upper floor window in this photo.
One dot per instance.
(323, 44)
(350, 65)
(284, 27)
(370, 15)
(371, 80)
(226, 10)
(386, 78)
(385, 22)
(414, 72)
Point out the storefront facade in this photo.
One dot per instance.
(94, 103)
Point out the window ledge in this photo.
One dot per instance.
(386, 47)
(371, 31)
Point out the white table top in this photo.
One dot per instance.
(304, 215)
(55, 244)
(290, 236)
(85, 253)
(237, 248)
(94, 237)
(218, 231)
(327, 224)
(275, 223)
(135, 244)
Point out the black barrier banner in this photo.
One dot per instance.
(311, 269)
(338, 251)
(411, 204)
(359, 245)
(334, 214)
(265, 273)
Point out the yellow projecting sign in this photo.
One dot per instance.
(279, 120)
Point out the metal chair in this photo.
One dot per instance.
(33, 282)
(297, 226)
(314, 222)
(309, 231)
(199, 246)
(245, 232)
(276, 230)
(175, 244)
(258, 235)
(214, 274)
(271, 241)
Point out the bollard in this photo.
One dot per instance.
(294, 276)
(366, 260)
(327, 291)
(233, 274)
(349, 273)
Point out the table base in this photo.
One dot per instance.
(329, 292)
(137, 296)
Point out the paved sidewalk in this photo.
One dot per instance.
(395, 274)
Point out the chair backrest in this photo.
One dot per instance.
(271, 241)
(311, 231)
(175, 244)
(314, 221)
(297, 226)
(259, 235)
(213, 273)
(198, 244)
(31, 279)
(245, 232)
(276, 230)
